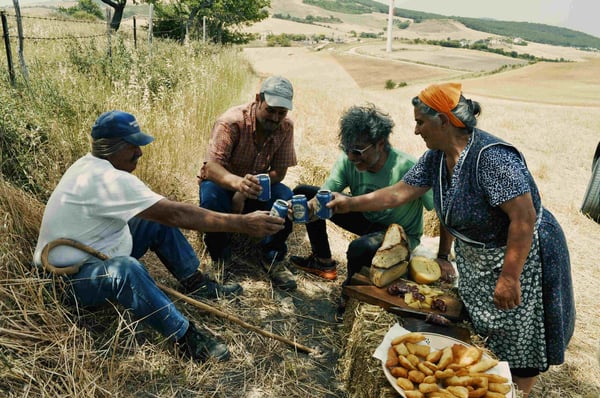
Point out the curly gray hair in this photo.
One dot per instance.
(360, 122)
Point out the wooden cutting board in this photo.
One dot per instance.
(362, 289)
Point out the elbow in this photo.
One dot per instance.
(177, 216)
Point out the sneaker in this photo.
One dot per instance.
(201, 286)
(313, 266)
(280, 275)
(200, 346)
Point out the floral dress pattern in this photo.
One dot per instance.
(488, 173)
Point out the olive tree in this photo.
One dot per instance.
(224, 18)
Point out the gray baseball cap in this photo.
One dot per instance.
(278, 92)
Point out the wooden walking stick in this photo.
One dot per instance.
(234, 319)
(72, 269)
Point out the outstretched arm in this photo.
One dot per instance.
(384, 198)
(188, 216)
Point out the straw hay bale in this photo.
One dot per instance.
(364, 328)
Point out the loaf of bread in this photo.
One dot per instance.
(393, 250)
(384, 276)
(424, 270)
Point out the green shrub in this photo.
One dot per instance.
(281, 40)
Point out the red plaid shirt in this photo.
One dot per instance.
(232, 143)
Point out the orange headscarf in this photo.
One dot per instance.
(443, 98)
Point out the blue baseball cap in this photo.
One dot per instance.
(119, 124)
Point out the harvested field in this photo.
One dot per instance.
(572, 83)
(373, 72)
(458, 59)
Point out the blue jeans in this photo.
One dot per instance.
(218, 244)
(126, 281)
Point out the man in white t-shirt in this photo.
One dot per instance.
(99, 203)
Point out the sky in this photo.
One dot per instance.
(580, 15)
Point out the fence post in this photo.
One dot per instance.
(134, 33)
(109, 31)
(150, 27)
(11, 71)
(20, 31)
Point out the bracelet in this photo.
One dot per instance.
(443, 256)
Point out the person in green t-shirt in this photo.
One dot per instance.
(368, 162)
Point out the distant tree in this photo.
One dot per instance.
(224, 18)
(83, 9)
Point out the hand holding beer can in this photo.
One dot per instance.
(324, 197)
(300, 208)
(280, 208)
(265, 182)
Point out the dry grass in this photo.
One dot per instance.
(50, 349)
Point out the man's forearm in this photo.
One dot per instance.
(218, 174)
(188, 216)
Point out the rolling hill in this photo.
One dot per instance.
(352, 12)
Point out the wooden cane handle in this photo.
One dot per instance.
(71, 269)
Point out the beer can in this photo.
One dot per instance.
(323, 197)
(300, 208)
(280, 208)
(265, 183)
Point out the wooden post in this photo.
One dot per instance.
(20, 31)
(11, 71)
(150, 27)
(134, 33)
(109, 32)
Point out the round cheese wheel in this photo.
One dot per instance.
(424, 270)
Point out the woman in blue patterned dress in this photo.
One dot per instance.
(511, 254)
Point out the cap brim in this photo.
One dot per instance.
(278, 102)
(139, 139)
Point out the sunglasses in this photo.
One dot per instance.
(355, 151)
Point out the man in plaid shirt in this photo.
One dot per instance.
(247, 140)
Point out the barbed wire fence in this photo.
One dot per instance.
(15, 30)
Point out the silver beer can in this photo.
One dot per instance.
(265, 182)
(280, 208)
(300, 208)
(323, 197)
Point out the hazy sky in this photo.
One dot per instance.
(580, 15)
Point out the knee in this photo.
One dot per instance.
(281, 191)
(213, 197)
(356, 249)
(126, 268)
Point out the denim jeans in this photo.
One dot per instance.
(126, 281)
(218, 244)
(360, 251)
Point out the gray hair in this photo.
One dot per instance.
(466, 111)
(360, 122)
(104, 147)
